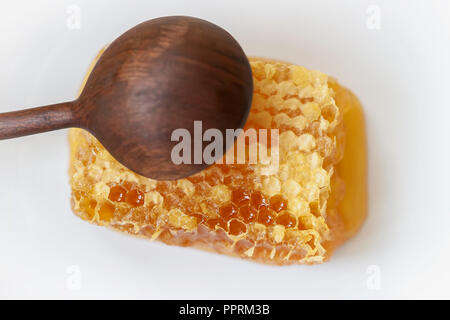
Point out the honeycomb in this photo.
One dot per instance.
(297, 214)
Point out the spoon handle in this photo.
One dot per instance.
(36, 120)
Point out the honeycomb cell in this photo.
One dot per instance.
(236, 227)
(87, 207)
(278, 203)
(248, 213)
(228, 211)
(117, 194)
(219, 222)
(106, 212)
(262, 250)
(266, 216)
(135, 198)
(258, 200)
(240, 197)
(287, 220)
(243, 246)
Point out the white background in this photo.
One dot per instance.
(400, 72)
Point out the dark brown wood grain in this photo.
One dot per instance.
(36, 120)
(157, 77)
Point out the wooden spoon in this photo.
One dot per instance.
(159, 76)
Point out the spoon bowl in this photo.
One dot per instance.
(159, 76)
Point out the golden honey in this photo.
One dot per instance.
(297, 214)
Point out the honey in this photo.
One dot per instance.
(287, 220)
(135, 197)
(266, 216)
(299, 214)
(117, 194)
(248, 213)
(228, 211)
(277, 203)
(236, 227)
